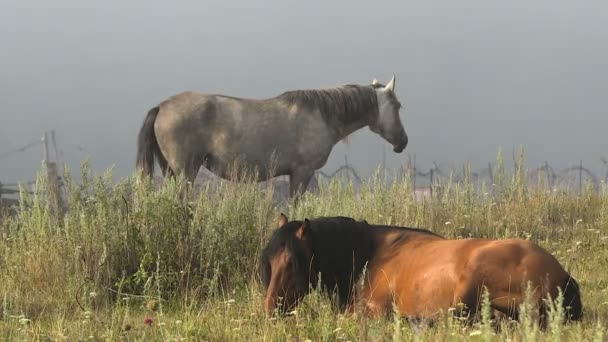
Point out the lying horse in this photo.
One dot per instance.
(420, 272)
(289, 134)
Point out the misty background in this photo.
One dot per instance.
(472, 75)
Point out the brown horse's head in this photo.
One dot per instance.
(285, 265)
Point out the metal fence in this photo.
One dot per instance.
(423, 179)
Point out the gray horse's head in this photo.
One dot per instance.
(388, 123)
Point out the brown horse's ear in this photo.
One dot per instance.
(304, 231)
(282, 220)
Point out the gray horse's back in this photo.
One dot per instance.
(195, 129)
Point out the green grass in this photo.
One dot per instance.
(129, 262)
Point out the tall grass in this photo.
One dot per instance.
(136, 261)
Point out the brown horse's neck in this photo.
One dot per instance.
(343, 248)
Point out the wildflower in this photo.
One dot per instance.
(92, 294)
(152, 305)
(148, 321)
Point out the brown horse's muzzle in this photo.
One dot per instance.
(269, 306)
(278, 305)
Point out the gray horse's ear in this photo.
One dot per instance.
(391, 85)
(375, 82)
(282, 220)
(304, 231)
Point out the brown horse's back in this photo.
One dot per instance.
(426, 275)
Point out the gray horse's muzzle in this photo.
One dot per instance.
(400, 147)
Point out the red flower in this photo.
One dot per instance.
(148, 321)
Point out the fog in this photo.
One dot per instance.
(472, 75)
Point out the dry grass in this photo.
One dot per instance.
(130, 262)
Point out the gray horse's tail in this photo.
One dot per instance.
(147, 146)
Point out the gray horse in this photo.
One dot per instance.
(290, 134)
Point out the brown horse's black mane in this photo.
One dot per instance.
(342, 247)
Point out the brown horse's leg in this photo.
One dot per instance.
(466, 300)
(376, 297)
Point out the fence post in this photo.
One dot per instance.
(53, 179)
(347, 168)
(431, 181)
(491, 173)
(414, 173)
(580, 178)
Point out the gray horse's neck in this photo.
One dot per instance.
(345, 109)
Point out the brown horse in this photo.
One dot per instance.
(420, 272)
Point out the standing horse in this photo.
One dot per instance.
(290, 134)
(420, 272)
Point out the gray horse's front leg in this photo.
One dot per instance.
(298, 182)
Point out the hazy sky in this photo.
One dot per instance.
(472, 75)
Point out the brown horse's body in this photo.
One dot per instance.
(422, 273)
(425, 274)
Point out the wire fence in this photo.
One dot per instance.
(424, 180)
(570, 178)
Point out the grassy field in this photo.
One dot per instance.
(128, 262)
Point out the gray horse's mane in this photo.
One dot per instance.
(340, 105)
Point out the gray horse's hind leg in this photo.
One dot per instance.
(165, 169)
(188, 168)
(298, 182)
